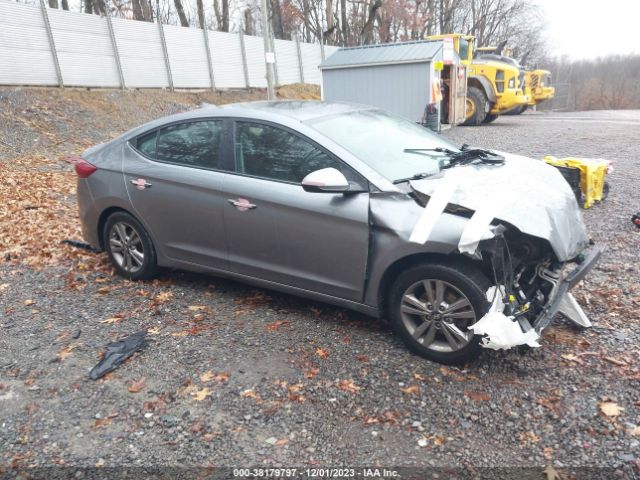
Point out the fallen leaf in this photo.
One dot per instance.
(438, 440)
(210, 376)
(3, 287)
(273, 326)
(321, 352)
(419, 377)
(548, 453)
(29, 302)
(101, 422)
(202, 394)
(153, 331)
(572, 358)
(615, 361)
(249, 394)
(103, 290)
(348, 386)
(634, 432)
(610, 409)
(163, 296)
(136, 386)
(551, 473)
(115, 319)
(197, 308)
(527, 438)
(477, 396)
(282, 441)
(312, 372)
(411, 390)
(65, 352)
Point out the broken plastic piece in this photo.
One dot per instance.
(571, 309)
(79, 244)
(117, 353)
(501, 332)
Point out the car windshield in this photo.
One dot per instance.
(394, 147)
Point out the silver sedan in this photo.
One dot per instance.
(348, 205)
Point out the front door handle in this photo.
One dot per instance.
(242, 204)
(141, 183)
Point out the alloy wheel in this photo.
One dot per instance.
(436, 314)
(126, 247)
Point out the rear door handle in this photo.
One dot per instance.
(141, 183)
(242, 204)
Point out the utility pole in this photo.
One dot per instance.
(269, 56)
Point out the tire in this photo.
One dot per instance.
(142, 264)
(490, 118)
(480, 103)
(459, 282)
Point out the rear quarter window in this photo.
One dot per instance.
(146, 144)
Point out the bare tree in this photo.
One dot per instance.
(180, 11)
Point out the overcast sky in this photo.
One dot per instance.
(592, 28)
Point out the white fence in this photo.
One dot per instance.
(42, 46)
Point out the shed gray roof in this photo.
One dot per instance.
(386, 53)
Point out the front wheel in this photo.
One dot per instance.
(431, 307)
(129, 247)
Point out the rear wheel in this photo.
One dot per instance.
(477, 107)
(129, 247)
(431, 307)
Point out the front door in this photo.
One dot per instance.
(174, 183)
(277, 231)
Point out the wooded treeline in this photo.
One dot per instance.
(608, 83)
(345, 22)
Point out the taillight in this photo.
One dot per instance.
(82, 167)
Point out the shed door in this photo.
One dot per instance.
(458, 96)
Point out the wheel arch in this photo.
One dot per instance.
(102, 220)
(393, 270)
(484, 85)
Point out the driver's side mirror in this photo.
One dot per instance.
(329, 180)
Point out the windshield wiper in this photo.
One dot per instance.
(417, 176)
(420, 151)
(469, 155)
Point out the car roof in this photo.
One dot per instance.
(302, 110)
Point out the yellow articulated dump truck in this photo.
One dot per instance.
(493, 86)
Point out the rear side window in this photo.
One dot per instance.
(276, 154)
(192, 144)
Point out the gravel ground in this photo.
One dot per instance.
(236, 376)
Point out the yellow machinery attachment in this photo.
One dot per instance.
(592, 175)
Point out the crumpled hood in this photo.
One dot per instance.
(527, 193)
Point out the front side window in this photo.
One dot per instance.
(276, 154)
(193, 144)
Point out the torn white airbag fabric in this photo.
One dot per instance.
(501, 332)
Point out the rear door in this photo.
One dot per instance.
(174, 179)
(277, 231)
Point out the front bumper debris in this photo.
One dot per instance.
(562, 285)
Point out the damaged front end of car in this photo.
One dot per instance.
(525, 229)
(530, 286)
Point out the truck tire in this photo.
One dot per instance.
(478, 102)
(517, 110)
(490, 118)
